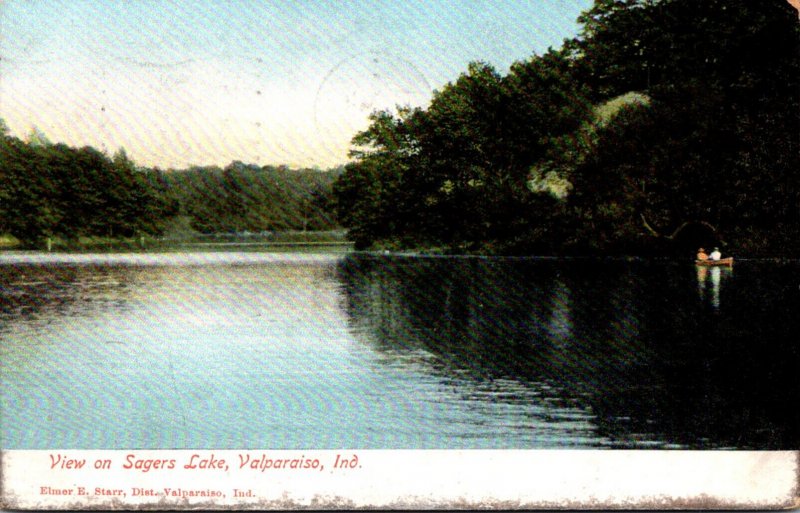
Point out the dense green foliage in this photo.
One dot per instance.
(55, 191)
(248, 198)
(52, 190)
(664, 124)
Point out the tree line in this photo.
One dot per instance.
(662, 125)
(52, 191)
(250, 198)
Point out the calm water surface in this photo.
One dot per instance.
(294, 351)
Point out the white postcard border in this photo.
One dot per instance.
(255, 479)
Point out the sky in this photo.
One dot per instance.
(180, 83)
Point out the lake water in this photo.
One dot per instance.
(257, 350)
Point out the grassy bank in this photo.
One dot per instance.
(289, 240)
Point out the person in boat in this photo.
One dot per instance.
(715, 255)
(701, 254)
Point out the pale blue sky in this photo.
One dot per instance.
(186, 82)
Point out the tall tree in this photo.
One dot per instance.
(378, 196)
(719, 145)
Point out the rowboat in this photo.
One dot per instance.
(723, 262)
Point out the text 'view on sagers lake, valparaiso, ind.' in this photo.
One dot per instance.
(568, 227)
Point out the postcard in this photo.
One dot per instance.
(373, 254)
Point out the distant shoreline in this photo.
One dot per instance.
(336, 240)
(278, 239)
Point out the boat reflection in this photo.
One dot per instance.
(714, 277)
(702, 275)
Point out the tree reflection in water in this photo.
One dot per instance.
(632, 345)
